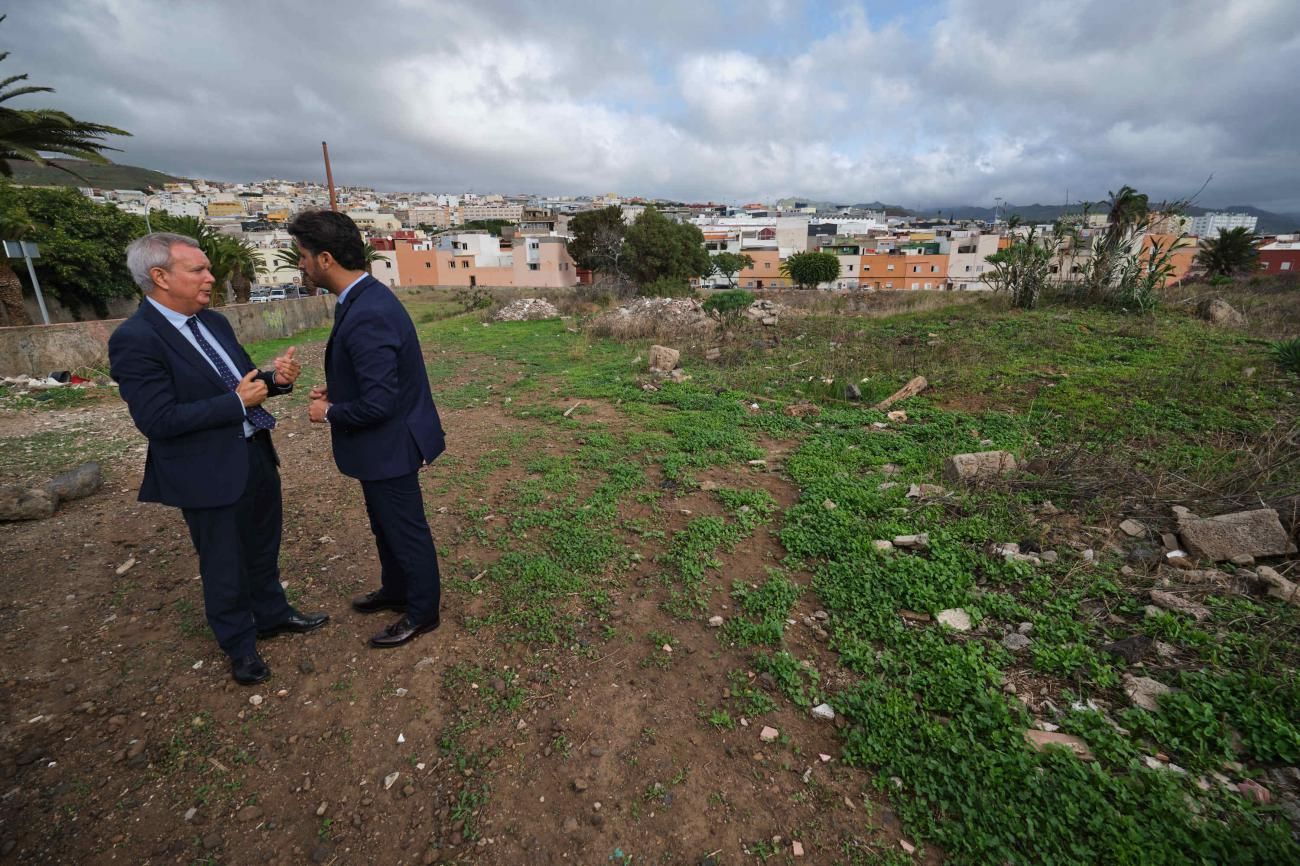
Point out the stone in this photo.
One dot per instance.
(898, 416)
(580, 784)
(979, 467)
(913, 542)
(1016, 642)
(1131, 649)
(390, 780)
(769, 321)
(823, 712)
(1243, 560)
(955, 618)
(852, 392)
(829, 504)
(926, 491)
(1040, 740)
(249, 813)
(796, 849)
(768, 734)
(77, 483)
(715, 622)
(1178, 604)
(1217, 311)
(1256, 533)
(1133, 528)
(663, 359)
(882, 545)
(21, 503)
(1252, 790)
(1278, 586)
(1144, 692)
(570, 825)
(321, 854)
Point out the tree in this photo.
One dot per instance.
(82, 244)
(1021, 269)
(808, 270)
(372, 255)
(730, 264)
(597, 244)
(1232, 252)
(658, 249)
(24, 136)
(27, 133)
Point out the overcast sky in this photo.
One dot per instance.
(923, 104)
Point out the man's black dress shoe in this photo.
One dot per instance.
(249, 670)
(402, 631)
(295, 623)
(373, 602)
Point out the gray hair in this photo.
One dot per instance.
(153, 251)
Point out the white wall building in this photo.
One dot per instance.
(1208, 225)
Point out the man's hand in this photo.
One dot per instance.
(320, 392)
(286, 368)
(251, 389)
(316, 410)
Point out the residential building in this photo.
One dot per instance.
(1208, 225)
(1280, 257)
(967, 261)
(765, 273)
(480, 211)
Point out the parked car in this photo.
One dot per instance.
(277, 294)
(260, 296)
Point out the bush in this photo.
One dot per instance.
(666, 287)
(727, 307)
(1287, 355)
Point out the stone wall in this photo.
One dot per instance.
(39, 350)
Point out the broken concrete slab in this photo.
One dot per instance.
(1178, 604)
(663, 359)
(1040, 740)
(1145, 692)
(979, 467)
(1255, 533)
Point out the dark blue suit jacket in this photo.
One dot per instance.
(383, 423)
(195, 425)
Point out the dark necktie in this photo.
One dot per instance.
(257, 416)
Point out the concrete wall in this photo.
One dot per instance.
(39, 350)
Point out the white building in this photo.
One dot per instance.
(1209, 225)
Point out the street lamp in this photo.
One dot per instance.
(28, 250)
(147, 227)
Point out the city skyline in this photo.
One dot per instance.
(946, 103)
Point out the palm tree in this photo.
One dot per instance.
(287, 260)
(1232, 252)
(27, 133)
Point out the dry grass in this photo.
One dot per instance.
(1270, 304)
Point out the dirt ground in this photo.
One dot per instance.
(124, 740)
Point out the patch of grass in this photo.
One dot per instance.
(764, 609)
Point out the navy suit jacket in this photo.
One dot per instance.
(383, 423)
(195, 425)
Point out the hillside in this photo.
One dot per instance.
(112, 176)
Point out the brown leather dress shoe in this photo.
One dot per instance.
(402, 631)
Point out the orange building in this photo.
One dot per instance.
(765, 273)
(1183, 257)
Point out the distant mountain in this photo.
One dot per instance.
(112, 176)
(1269, 222)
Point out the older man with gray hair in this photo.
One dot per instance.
(197, 397)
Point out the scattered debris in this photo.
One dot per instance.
(1040, 740)
(527, 310)
(979, 467)
(1178, 604)
(1255, 533)
(911, 389)
(1144, 692)
(663, 359)
(955, 618)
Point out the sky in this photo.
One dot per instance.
(923, 104)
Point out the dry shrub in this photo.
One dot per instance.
(1271, 304)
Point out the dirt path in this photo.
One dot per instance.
(124, 740)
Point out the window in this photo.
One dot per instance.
(928, 286)
(915, 286)
(428, 264)
(1286, 266)
(532, 266)
(388, 264)
(916, 269)
(767, 266)
(889, 285)
(850, 268)
(968, 269)
(934, 269)
(889, 268)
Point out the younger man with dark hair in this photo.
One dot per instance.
(383, 423)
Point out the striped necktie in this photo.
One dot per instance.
(257, 416)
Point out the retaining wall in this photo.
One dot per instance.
(38, 350)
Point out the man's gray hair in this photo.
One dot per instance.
(153, 251)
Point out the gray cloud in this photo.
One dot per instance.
(957, 102)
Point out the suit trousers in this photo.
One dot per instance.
(239, 552)
(407, 557)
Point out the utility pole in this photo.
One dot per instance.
(28, 251)
(329, 176)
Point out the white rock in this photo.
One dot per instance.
(255, 700)
(823, 712)
(955, 618)
(1133, 528)
(390, 780)
(715, 622)
(768, 734)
